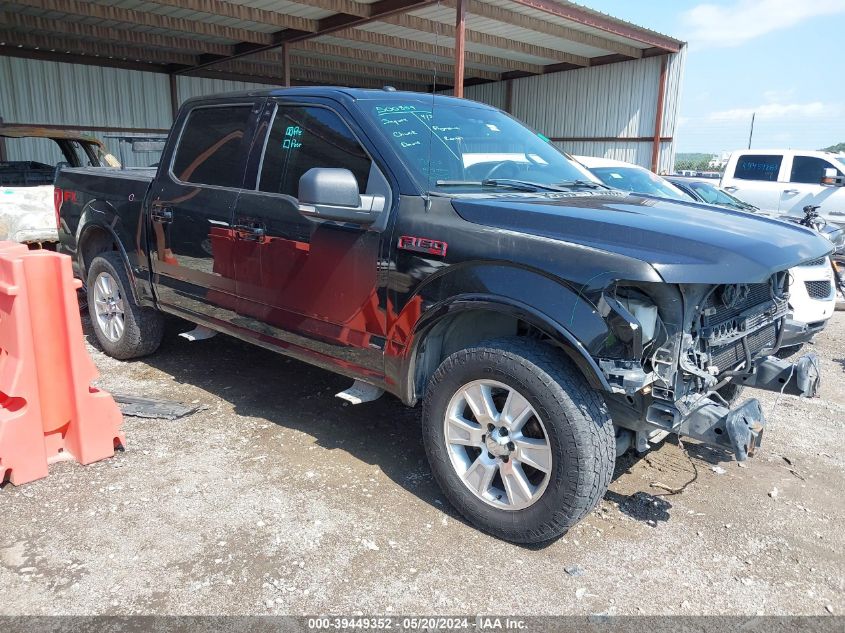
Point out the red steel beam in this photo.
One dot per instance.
(658, 118)
(174, 96)
(608, 25)
(460, 46)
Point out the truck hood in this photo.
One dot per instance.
(685, 243)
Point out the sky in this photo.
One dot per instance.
(783, 59)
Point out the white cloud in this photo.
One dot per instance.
(777, 96)
(710, 25)
(812, 110)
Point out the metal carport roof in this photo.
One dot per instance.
(341, 42)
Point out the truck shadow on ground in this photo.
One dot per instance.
(261, 384)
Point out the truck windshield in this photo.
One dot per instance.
(458, 148)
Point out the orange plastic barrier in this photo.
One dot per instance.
(48, 410)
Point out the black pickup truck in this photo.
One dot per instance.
(437, 249)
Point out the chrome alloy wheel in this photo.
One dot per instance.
(498, 445)
(108, 307)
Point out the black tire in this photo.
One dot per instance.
(143, 327)
(577, 425)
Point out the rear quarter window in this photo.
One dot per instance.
(209, 150)
(751, 167)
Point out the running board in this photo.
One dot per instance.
(360, 392)
(199, 333)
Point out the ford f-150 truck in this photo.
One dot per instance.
(437, 249)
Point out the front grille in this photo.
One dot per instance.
(814, 262)
(728, 356)
(819, 289)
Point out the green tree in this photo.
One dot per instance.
(839, 147)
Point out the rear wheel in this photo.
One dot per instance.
(123, 328)
(517, 440)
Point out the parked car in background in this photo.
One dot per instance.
(437, 249)
(785, 181)
(29, 160)
(709, 192)
(629, 177)
(812, 297)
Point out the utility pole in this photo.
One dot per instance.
(751, 133)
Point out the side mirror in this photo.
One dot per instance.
(832, 178)
(328, 193)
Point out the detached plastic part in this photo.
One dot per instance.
(360, 392)
(199, 333)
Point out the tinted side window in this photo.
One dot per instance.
(808, 169)
(306, 137)
(209, 148)
(750, 167)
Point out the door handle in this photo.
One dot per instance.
(161, 214)
(790, 191)
(730, 188)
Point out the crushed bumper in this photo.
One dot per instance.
(797, 332)
(801, 378)
(739, 429)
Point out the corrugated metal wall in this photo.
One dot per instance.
(616, 100)
(86, 97)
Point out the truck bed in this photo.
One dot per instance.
(140, 174)
(116, 186)
(117, 194)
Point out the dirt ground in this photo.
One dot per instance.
(278, 498)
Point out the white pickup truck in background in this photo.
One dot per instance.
(784, 181)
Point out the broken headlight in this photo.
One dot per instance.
(643, 309)
(633, 319)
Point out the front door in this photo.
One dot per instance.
(307, 285)
(191, 207)
(755, 180)
(805, 186)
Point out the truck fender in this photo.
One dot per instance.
(101, 217)
(561, 336)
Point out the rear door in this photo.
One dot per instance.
(757, 179)
(310, 286)
(191, 205)
(804, 186)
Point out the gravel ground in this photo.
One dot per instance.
(278, 498)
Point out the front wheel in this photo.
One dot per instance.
(517, 440)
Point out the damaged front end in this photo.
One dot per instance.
(679, 355)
